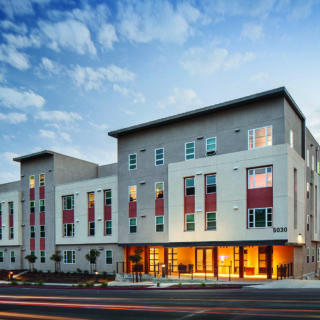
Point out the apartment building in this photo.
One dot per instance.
(229, 188)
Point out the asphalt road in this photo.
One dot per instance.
(67, 304)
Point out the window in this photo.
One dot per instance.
(159, 157)
(312, 162)
(32, 232)
(159, 224)
(41, 179)
(308, 255)
(132, 225)
(32, 206)
(211, 185)
(260, 137)
(32, 253)
(189, 186)
(108, 197)
(42, 205)
(68, 202)
(91, 228)
(318, 255)
(260, 178)
(42, 231)
(42, 257)
(132, 161)
(211, 221)
(12, 257)
(108, 257)
(0, 233)
(68, 230)
(312, 255)
(108, 231)
(260, 218)
(132, 194)
(0, 209)
(211, 146)
(308, 190)
(11, 211)
(291, 139)
(69, 257)
(189, 151)
(190, 224)
(308, 222)
(31, 182)
(159, 190)
(11, 234)
(308, 158)
(91, 199)
(1, 256)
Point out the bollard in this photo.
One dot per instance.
(97, 279)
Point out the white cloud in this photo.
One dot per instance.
(56, 115)
(16, 7)
(145, 21)
(21, 41)
(107, 36)
(137, 97)
(252, 31)
(2, 79)
(207, 60)
(182, 98)
(69, 34)
(65, 136)
(48, 134)
(13, 118)
(11, 56)
(259, 76)
(301, 9)
(18, 28)
(92, 79)
(12, 98)
(48, 66)
(99, 127)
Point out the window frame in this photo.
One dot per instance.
(105, 228)
(1, 256)
(155, 157)
(106, 257)
(66, 202)
(185, 151)
(254, 177)
(105, 198)
(89, 201)
(308, 254)
(206, 182)
(133, 225)
(42, 257)
(185, 187)
(32, 232)
(0, 232)
(186, 222)
(135, 200)
(215, 220)
(90, 228)
(42, 232)
(42, 184)
(43, 207)
(65, 228)
(266, 218)
(32, 207)
(155, 187)
(159, 224)
(34, 181)
(136, 162)
(11, 233)
(65, 256)
(213, 151)
(11, 208)
(254, 139)
(12, 257)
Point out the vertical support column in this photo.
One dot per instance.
(146, 258)
(241, 262)
(215, 261)
(126, 252)
(269, 262)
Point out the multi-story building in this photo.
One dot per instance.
(232, 187)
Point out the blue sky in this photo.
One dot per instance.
(72, 70)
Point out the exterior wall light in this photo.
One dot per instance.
(299, 238)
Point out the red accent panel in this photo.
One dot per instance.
(260, 198)
(41, 192)
(11, 220)
(31, 194)
(32, 219)
(42, 218)
(32, 244)
(189, 204)
(42, 244)
(107, 213)
(211, 202)
(132, 209)
(159, 207)
(91, 214)
(68, 216)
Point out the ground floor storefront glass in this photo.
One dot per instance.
(227, 261)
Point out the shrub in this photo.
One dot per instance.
(85, 272)
(79, 270)
(14, 282)
(89, 284)
(104, 284)
(80, 285)
(26, 283)
(203, 284)
(179, 284)
(40, 283)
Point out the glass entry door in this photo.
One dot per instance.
(204, 260)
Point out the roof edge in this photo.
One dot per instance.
(33, 155)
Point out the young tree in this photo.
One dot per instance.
(92, 258)
(56, 257)
(136, 258)
(31, 259)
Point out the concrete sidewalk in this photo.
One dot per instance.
(288, 284)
